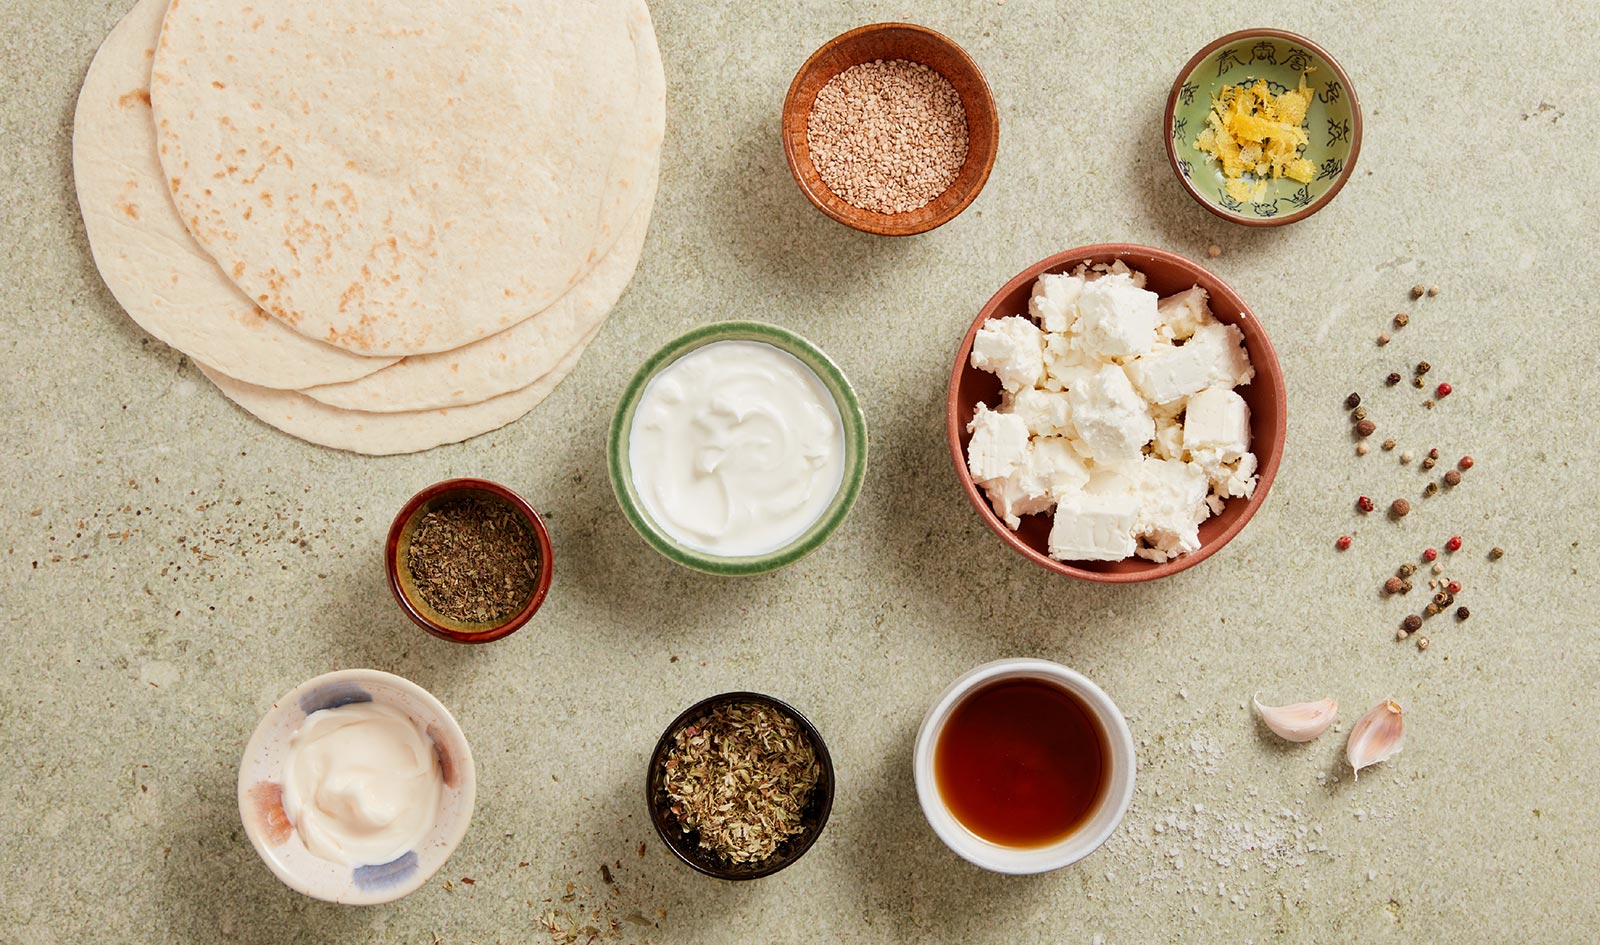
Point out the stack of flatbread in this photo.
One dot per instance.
(377, 225)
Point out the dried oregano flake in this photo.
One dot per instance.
(740, 777)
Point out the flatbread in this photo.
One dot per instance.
(384, 434)
(160, 276)
(508, 361)
(396, 178)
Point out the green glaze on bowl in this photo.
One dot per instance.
(1333, 122)
(855, 449)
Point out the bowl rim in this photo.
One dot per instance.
(824, 761)
(868, 221)
(463, 485)
(1355, 132)
(852, 420)
(1026, 860)
(465, 768)
(1268, 370)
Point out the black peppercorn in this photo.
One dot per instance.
(1352, 402)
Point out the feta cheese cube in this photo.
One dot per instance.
(1057, 466)
(998, 446)
(1172, 504)
(1093, 528)
(1047, 413)
(1218, 419)
(1012, 348)
(1179, 315)
(1066, 364)
(1213, 356)
(1055, 301)
(1116, 318)
(1110, 417)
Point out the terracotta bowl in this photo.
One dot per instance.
(1280, 58)
(398, 545)
(1166, 273)
(894, 41)
(686, 845)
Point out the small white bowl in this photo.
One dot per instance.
(1025, 860)
(274, 837)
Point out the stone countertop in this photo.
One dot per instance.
(171, 565)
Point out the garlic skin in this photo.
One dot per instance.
(1300, 722)
(1377, 736)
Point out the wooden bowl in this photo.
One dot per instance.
(1280, 58)
(891, 41)
(398, 546)
(1166, 273)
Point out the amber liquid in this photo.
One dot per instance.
(1021, 763)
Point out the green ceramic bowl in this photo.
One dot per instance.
(1333, 121)
(855, 449)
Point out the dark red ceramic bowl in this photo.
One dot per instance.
(398, 546)
(1166, 273)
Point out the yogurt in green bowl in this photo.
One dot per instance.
(1332, 124)
(737, 448)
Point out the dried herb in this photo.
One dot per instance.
(740, 777)
(474, 560)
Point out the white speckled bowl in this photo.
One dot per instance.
(274, 837)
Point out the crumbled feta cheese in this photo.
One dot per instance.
(1051, 470)
(1168, 442)
(1217, 419)
(1225, 346)
(1066, 364)
(1115, 370)
(1012, 348)
(1047, 413)
(1172, 504)
(1093, 528)
(1057, 465)
(1116, 318)
(1213, 356)
(1055, 301)
(1110, 416)
(1179, 315)
(998, 446)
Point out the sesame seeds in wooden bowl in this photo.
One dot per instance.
(890, 129)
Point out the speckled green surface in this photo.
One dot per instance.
(170, 566)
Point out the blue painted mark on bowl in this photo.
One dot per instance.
(384, 875)
(332, 696)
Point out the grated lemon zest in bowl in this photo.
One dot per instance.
(1251, 131)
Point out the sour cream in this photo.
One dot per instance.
(736, 448)
(361, 783)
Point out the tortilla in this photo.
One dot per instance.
(384, 434)
(160, 276)
(508, 361)
(397, 178)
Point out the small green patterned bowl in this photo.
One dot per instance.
(855, 449)
(1333, 121)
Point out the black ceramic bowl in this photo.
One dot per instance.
(686, 845)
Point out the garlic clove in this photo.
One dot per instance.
(1300, 722)
(1377, 736)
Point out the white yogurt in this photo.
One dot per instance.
(736, 448)
(361, 784)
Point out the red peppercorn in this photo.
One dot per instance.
(1454, 544)
(1343, 543)
(1364, 504)
(1465, 463)
(1443, 391)
(1454, 587)
(1429, 554)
